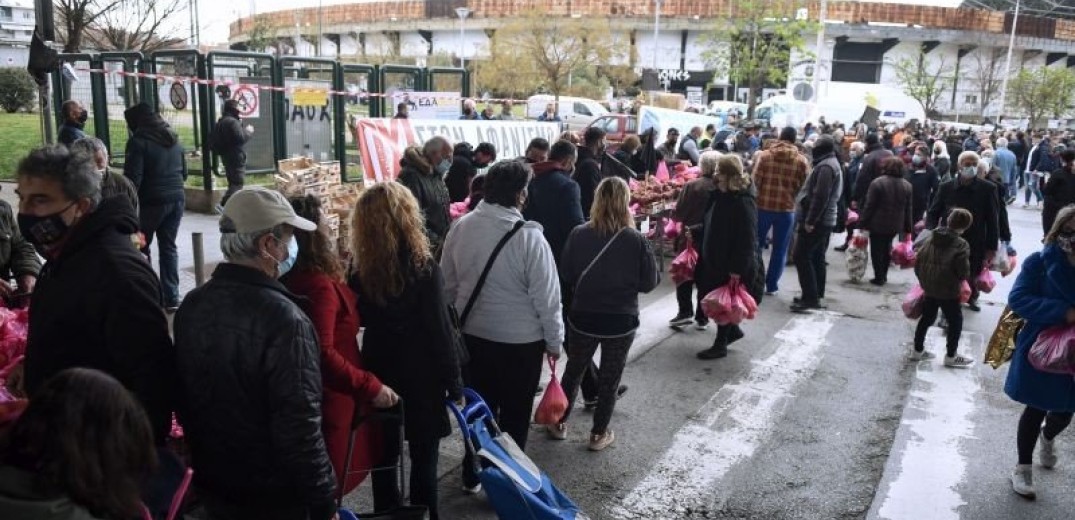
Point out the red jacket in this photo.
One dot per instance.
(346, 384)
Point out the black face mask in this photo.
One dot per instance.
(46, 230)
(83, 117)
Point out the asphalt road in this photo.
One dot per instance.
(810, 417)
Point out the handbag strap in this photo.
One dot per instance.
(488, 267)
(596, 258)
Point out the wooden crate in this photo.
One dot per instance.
(297, 163)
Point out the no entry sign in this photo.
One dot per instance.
(248, 101)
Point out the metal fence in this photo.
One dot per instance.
(297, 106)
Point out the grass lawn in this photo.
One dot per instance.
(19, 133)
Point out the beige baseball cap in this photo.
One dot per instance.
(258, 209)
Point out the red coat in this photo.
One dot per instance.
(346, 384)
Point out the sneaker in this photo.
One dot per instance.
(920, 356)
(1025, 206)
(171, 309)
(599, 441)
(540, 389)
(1037, 206)
(840, 248)
(878, 282)
(770, 293)
(803, 307)
(557, 432)
(472, 490)
(1046, 452)
(1023, 481)
(681, 320)
(973, 305)
(700, 325)
(717, 351)
(958, 361)
(219, 209)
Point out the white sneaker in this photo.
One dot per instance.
(557, 432)
(701, 326)
(920, 356)
(958, 361)
(1023, 481)
(1046, 452)
(1025, 206)
(472, 490)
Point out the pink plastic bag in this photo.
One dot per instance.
(683, 266)
(662, 172)
(964, 292)
(730, 304)
(1054, 350)
(554, 403)
(903, 254)
(672, 229)
(852, 217)
(912, 303)
(14, 324)
(458, 209)
(985, 281)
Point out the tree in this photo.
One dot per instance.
(509, 71)
(551, 49)
(137, 25)
(262, 34)
(76, 17)
(989, 76)
(754, 45)
(924, 82)
(1043, 92)
(17, 90)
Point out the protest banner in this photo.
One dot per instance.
(381, 141)
(430, 105)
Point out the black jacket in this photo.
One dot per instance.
(17, 256)
(155, 164)
(408, 345)
(730, 244)
(1059, 191)
(887, 210)
(553, 200)
(459, 176)
(980, 198)
(432, 194)
(230, 138)
(250, 393)
(924, 182)
(588, 176)
(97, 305)
(70, 132)
(870, 170)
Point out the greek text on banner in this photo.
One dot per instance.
(381, 141)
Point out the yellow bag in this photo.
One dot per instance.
(1001, 345)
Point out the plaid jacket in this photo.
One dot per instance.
(779, 175)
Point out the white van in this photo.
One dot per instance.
(576, 113)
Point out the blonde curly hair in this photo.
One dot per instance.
(388, 240)
(730, 174)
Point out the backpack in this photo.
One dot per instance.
(216, 144)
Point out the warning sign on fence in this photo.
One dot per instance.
(248, 101)
(309, 97)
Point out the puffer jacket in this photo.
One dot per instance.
(17, 256)
(250, 393)
(820, 195)
(942, 263)
(154, 160)
(432, 194)
(888, 206)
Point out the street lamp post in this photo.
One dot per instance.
(1008, 63)
(463, 13)
(656, 30)
(819, 49)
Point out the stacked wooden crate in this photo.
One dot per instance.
(302, 176)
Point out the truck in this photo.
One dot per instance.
(618, 127)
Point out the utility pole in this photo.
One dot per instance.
(46, 27)
(656, 31)
(819, 48)
(462, 13)
(1008, 63)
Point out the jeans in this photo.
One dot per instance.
(810, 262)
(881, 254)
(1032, 186)
(506, 376)
(424, 455)
(953, 314)
(162, 222)
(782, 223)
(1030, 426)
(613, 360)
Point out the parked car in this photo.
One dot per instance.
(575, 113)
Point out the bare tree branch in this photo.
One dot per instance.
(76, 16)
(137, 25)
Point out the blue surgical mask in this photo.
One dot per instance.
(287, 263)
(444, 166)
(918, 160)
(967, 172)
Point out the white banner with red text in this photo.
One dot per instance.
(381, 141)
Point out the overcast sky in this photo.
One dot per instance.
(217, 14)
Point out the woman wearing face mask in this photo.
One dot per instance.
(924, 180)
(315, 272)
(408, 343)
(942, 162)
(422, 171)
(1044, 296)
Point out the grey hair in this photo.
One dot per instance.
(92, 146)
(1002, 142)
(75, 170)
(968, 155)
(858, 146)
(435, 144)
(238, 247)
(984, 166)
(708, 163)
(940, 150)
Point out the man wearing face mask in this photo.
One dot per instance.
(588, 168)
(228, 140)
(97, 301)
(465, 165)
(979, 196)
(249, 372)
(74, 120)
(924, 179)
(423, 171)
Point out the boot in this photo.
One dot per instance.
(719, 348)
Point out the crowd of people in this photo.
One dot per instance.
(262, 366)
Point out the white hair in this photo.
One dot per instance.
(967, 155)
(1002, 143)
(858, 146)
(984, 166)
(239, 247)
(940, 150)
